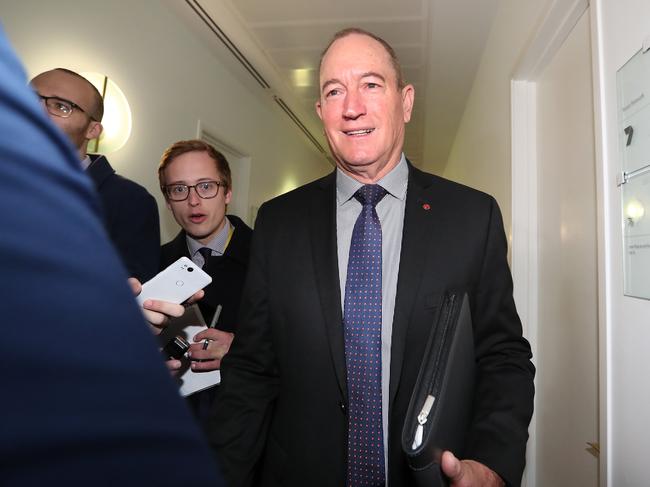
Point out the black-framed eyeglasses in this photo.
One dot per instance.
(204, 189)
(60, 107)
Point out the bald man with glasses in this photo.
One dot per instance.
(131, 213)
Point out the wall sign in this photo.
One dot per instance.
(633, 91)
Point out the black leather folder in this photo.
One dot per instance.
(440, 409)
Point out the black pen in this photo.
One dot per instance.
(215, 318)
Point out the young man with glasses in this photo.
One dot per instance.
(131, 213)
(195, 179)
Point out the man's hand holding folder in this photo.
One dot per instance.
(440, 409)
(468, 473)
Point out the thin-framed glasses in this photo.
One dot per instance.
(60, 107)
(204, 189)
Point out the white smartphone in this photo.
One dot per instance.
(176, 283)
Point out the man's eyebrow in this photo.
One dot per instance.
(372, 74)
(198, 180)
(53, 96)
(368, 74)
(329, 82)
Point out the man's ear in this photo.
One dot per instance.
(94, 130)
(408, 95)
(318, 109)
(228, 196)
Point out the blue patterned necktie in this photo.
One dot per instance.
(362, 321)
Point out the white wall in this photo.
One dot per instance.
(565, 292)
(567, 335)
(480, 155)
(171, 80)
(620, 26)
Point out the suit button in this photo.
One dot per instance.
(343, 407)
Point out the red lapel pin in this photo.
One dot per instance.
(426, 206)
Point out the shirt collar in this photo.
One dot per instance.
(85, 162)
(395, 183)
(217, 244)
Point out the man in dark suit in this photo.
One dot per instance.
(86, 399)
(196, 181)
(130, 212)
(314, 392)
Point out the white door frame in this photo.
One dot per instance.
(557, 24)
(240, 165)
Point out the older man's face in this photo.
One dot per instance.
(363, 110)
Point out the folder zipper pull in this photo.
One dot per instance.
(422, 418)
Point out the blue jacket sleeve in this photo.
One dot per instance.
(86, 398)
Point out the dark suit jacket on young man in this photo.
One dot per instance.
(131, 218)
(283, 394)
(228, 273)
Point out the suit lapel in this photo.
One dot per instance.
(180, 248)
(322, 219)
(99, 170)
(420, 211)
(416, 236)
(173, 250)
(180, 245)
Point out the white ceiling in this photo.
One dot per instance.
(439, 43)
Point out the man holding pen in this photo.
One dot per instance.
(195, 179)
(207, 333)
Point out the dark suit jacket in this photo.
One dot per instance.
(86, 399)
(227, 271)
(283, 399)
(131, 218)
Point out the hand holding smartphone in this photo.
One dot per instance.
(176, 283)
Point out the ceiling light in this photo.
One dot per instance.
(301, 77)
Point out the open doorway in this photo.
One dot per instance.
(555, 245)
(240, 168)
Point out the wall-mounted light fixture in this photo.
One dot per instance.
(117, 115)
(634, 211)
